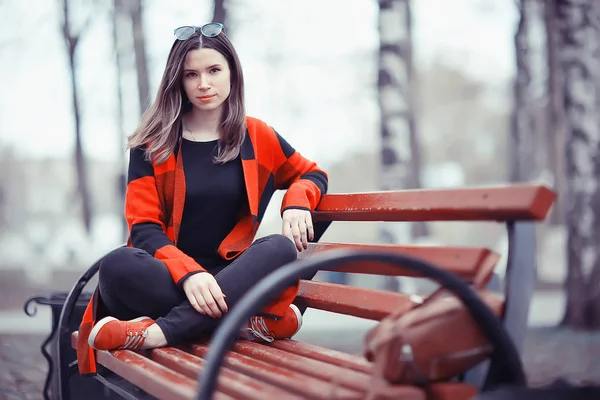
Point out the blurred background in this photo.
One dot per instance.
(388, 94)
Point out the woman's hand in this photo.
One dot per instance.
(296, 225)
(205, 295)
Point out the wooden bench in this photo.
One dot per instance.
(288, 369)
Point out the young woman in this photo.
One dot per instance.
(201, 174)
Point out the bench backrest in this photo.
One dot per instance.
(507, 204)
(499, 203)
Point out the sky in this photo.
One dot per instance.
(308, 65)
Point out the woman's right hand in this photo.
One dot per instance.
(205, 295)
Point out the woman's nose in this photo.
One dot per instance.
(203, 84)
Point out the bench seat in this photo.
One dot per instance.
(284, 369)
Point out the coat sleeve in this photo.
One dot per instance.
(304, 180)
(145, 219)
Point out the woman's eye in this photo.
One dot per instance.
(191, 74)
(214, 70)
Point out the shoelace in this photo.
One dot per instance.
(135, 338)
(259, 329)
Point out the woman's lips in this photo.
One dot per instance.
(205, 99)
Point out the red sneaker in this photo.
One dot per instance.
(110, 333)
(269, 329)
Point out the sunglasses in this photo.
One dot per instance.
(211, 29)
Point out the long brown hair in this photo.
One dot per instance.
(160, 127)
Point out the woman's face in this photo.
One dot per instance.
(206, 79)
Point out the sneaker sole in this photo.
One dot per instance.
(104, 321)
(298, 316)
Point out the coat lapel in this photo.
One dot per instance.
(178, 193)
(250, 167)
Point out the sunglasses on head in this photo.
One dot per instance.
(211, 29)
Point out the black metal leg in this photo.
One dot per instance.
(63, 329)
(519, 285)
(31, 312)
(519, 280)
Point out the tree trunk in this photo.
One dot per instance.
(523, 165)
(400, 154)
(555, 137)
(579, 38)
(220, 12)
(118, 14)
(139, 45)
(71, 42)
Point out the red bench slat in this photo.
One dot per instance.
(156, 379)
(450, 391)
(318, 369)
(499, 203)
(359, 302)
(462, 261)
(338, 358)
(293, 381)
(485, 271)
(237, 385)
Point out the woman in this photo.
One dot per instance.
(201, 175)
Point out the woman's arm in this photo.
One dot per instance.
(305, 183)
(304, 180)
(145, 219)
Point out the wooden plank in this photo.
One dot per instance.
(300, 384)
(329, 372)
(330, 356)
(236, 385)
(460, 260)
(152, 377)
(485, 271)
(498, 203)
(359, 302)
(450, 391)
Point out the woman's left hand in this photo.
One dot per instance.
(298, 226)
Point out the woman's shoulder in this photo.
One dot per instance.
(259, 129)
(255, 124)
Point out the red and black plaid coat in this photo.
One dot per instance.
(154, 207)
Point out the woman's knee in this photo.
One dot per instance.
(281, 248)
(119, 261)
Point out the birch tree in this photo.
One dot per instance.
(400, 155)
(523, 165)
(579, 40)
(555, 135)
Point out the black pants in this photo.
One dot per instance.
(132, 283)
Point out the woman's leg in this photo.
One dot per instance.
(263, 257)
(132, 283)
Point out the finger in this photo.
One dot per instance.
(296, 235)
(194, 303)
(309, 226)
(204, 309)
(303, 234)
(219, 297)
(211, 304)
(286, 229)
(202, 303)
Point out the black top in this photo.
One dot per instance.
(215, 195)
